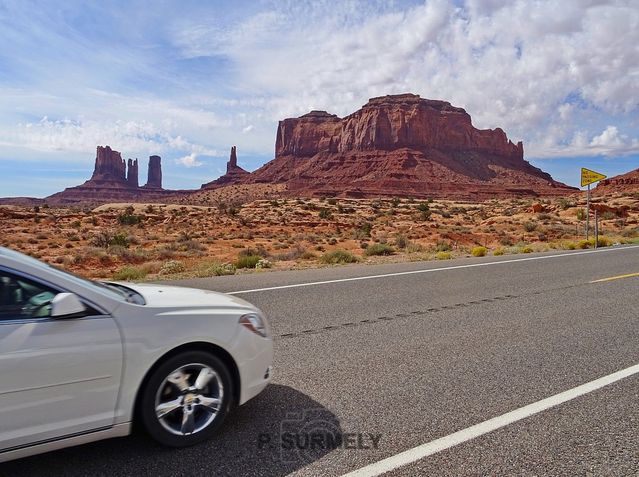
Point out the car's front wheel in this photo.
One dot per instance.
(186, 399)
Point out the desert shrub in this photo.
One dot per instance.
(191, 246)
(379, 249)
(171, 267)
(120, 240)
(443, 256)
(331, 201)
(129, 273)
(423, 207)
(413, 247)
(338, 256)
(248, 252)
(498, 251)
(583, 244)
(525, 249)
(363, 231)
(581, 214)
(443, 246)
(324, 213)
(401, 241)
(565, 203)
(293, 254)
(263, 263)
(308, 255)
(568, 245)
(210, 269)
(544, 217)
(478, 251)
(247, 261)
(128, 255)
(530, 226)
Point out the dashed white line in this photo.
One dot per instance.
(432, 270)
(464, 435)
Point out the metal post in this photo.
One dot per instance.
(588, 213)
(596, 229)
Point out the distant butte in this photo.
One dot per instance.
(401, 145)
(234, 173)
(396, 145)
(113, 179)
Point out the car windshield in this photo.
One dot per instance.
(114, 290)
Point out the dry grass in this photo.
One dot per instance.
(210, 240)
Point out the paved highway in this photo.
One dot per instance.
(416, 363)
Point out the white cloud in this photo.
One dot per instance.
(189, 161)
(537, 69)
(553, 73)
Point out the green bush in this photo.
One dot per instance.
(120, 240)
(130, 273)
(379, 249)
(530, 226)
(129, 219)
(247, 261)
(338, 256)
(526, 249)
(324, 213)
(478, 251)
(498, 251)
(443, 256)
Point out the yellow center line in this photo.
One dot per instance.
(618, 277)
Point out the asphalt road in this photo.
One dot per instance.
(419, 352)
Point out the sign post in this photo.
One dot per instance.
(596, 229)
(589, 177)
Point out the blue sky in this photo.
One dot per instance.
(186, 80)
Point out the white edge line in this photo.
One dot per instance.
(464, 435)
(432, 270)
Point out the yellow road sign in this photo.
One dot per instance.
(588, 176)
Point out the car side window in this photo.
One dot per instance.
(22, 298)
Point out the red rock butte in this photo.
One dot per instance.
(401, 145)
(628, 182)
(116, 180)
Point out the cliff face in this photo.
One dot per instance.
(628, 182)
(388, 123)
(401, 145)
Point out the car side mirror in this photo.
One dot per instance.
(67, 305)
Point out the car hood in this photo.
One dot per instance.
(164, 296)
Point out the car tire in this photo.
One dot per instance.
(186, 399)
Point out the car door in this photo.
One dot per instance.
(58, 376)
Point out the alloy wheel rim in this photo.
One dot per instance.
(189, 399)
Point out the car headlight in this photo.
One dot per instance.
(255, 323)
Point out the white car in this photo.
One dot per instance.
(82, 361)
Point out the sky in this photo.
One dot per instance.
(188, 79)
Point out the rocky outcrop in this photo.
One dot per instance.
(154, 180)
(234, 173)
(109, 166)
(628, 182)
(401, 145)
(113, 179)
(132, 174)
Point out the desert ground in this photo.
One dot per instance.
(160, 241)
